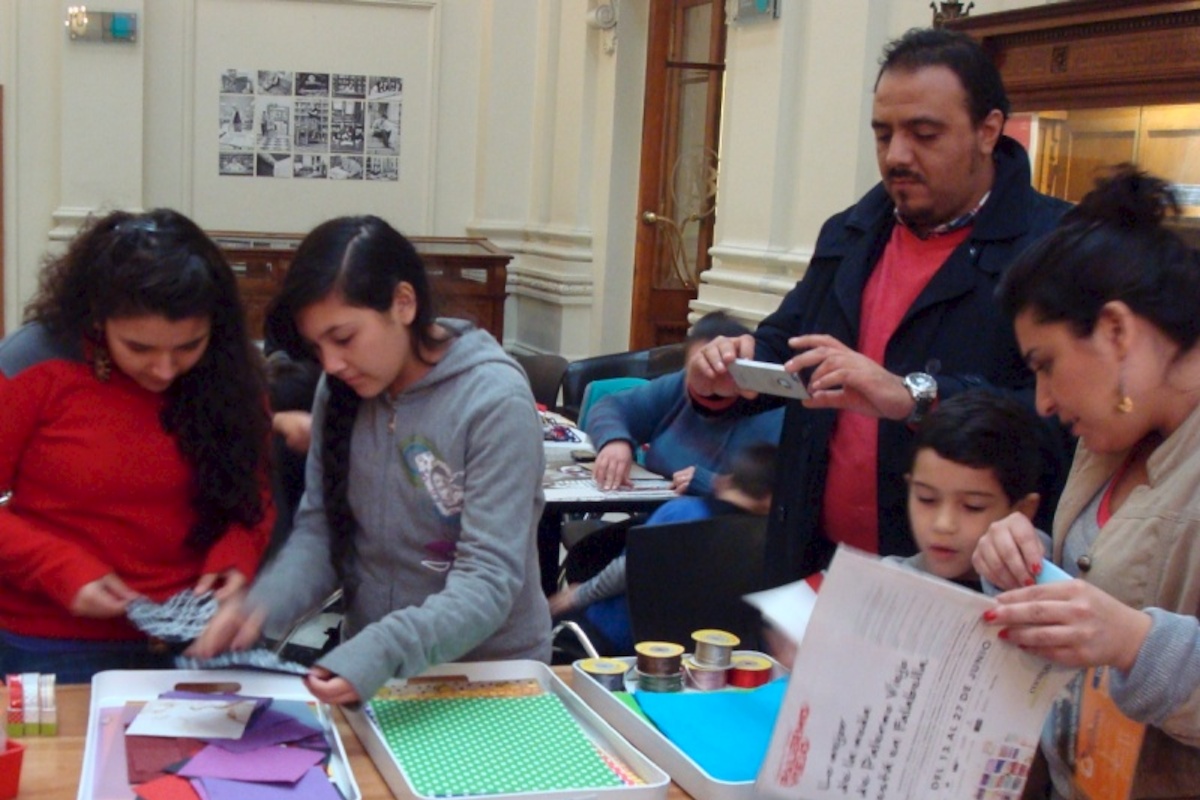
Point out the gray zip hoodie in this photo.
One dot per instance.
(445, 484)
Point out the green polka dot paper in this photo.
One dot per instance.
(490, 745)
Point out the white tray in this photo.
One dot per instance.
(647, 738)
(594, 727)
(104, 773)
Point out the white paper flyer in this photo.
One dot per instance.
(899, 691)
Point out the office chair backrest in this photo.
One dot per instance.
(601, 388)
(687, 576)
(582, 372)
(665, 359)
(545, 373)
(649, 363)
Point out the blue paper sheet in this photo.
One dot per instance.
(725, 732)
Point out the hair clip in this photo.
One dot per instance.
(142, 224)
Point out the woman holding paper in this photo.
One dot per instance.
(133, 445)
(1107, 312)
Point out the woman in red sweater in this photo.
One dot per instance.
(133, 445)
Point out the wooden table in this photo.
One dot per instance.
(53, 763)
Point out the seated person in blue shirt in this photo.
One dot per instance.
(679, 442)
(746, 489)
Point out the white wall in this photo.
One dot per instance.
(520, 123)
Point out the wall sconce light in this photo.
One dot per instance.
(101, 26)
(949, 11)
(77, 21)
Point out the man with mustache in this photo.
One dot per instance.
(896, 307)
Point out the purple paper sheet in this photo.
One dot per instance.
(269, 728)
(275, 764)
(314, 785)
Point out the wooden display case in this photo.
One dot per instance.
(1095, 83)
(468, 275)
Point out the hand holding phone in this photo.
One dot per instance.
(767, 378)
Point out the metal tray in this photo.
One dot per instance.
(647, 738)
(596, 729)
(104, 777)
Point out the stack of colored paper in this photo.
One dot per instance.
(185, 745)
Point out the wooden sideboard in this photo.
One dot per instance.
(468, 276)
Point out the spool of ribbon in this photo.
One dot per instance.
(749, 671)
(704, 677)
(608, 672)
(659, 666)
(658, 658)
(714, 647)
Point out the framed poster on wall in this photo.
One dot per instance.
(304, 111)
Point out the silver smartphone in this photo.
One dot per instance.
(767, 378)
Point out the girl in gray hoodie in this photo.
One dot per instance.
(423, 484)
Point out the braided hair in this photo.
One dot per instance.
(362, 259)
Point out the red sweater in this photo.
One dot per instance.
(97, 487)
(850, 513)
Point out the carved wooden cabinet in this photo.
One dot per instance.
(1094, 53)
(468, 276)
(1094, 83)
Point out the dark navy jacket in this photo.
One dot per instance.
(954, 328)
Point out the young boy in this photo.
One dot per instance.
(976, 459)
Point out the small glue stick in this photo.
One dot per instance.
(49, 705)
(15, 713)
(29, 687)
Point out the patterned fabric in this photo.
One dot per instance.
(180, 618)
(259, 659)
(956, 224)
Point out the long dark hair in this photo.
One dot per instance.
(1112, 246)
(362, 259)
(160, 263)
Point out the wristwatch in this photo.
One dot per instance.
(923, 389)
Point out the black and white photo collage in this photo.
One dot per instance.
(279, 124)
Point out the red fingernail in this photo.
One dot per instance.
(1029, 581)
(1003, 634)
(989, 615)
(1036, 569)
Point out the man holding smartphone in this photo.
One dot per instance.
(896, 307)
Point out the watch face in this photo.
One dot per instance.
(921, 384)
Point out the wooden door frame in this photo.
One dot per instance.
(652, 165)
(657, 160)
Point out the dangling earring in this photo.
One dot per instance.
(1125, 404)
(101, 360)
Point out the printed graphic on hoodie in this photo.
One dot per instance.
(445, 489)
